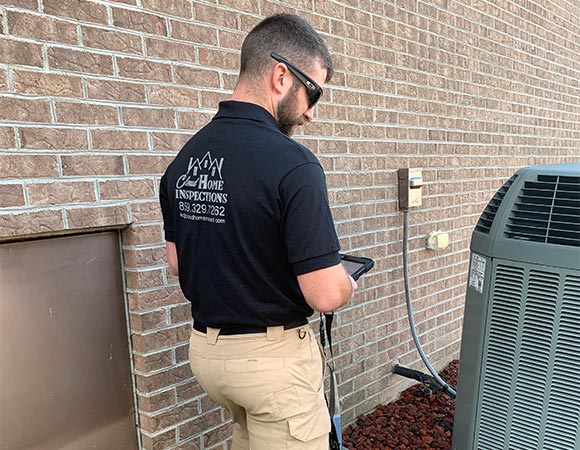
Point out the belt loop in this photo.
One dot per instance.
(212, 335)
(275, 333)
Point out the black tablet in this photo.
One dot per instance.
(356, 265)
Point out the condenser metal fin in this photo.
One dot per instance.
(486, 220)
(547, 210)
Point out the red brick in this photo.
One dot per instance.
(92, 165)
(193, 32)
(173, 96)
(11, 195)
(145, 211)
(170, 50)
(170, 141)
(29, 166)
(193, 120)
(103, 216)
(197, 77)
(139, 21)
(148, 117)
(231, 40)
(163, 338)
(171, 418)
(357, 16)
(139, 258)
(3, 80)
(144, 279)
(78, 61)
(205, 422)
(143, 69)
(41, 28)
(247, 22)
(149, 321)
(25, 4)
(219, 58)
(156, 402)
(116, 91)
(126, 189)
(155, 298)
(60, 193)
(119, 140)
(143, 235)
(53, 139)
(182, 355)
(21, 53)
(111, 40)
(215, 436)
(42, 83)
(148, 165)
(27, 224)
(180, 8)
(211, 99)
(250, 6)
(322, 25)
(181, 313)
(153, 361)
(7, 137)
(86, 113)
(188, 390)
(221, 17)
(81, 10)
(24, 110)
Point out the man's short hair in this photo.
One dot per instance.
(291, 37)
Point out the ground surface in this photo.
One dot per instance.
(418, 420)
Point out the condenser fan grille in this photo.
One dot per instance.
(530, 397)
(486, 218)
(547, 210)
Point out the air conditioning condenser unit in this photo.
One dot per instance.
(519, 376)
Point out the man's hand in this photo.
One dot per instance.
(353, 284)
(171, 253)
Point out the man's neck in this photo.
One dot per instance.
(243, 94)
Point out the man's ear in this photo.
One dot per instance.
(279, 79)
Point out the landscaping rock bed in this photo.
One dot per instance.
(419, 420)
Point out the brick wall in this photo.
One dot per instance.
(96, 97)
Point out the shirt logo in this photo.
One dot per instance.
(199, 191)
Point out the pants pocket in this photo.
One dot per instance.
(318, 363)
(311, 424)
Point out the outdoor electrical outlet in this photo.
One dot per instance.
(410, 188)
(437, 240)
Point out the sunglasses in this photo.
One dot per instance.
(313, 90)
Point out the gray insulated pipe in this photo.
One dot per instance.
(436, 376)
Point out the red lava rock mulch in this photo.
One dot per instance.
(418, 420)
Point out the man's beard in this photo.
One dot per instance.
(288, 119)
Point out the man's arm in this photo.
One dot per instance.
(327, 289)
(171, 253)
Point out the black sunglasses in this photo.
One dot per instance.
(313, 90)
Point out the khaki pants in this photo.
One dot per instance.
(272, 383)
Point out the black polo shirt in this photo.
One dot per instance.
(247, 208)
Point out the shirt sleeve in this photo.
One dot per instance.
(307, 224)
(166, 210)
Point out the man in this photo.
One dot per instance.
(250, 234)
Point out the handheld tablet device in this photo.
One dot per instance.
(355, 266)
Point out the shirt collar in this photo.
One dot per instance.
(244, 110)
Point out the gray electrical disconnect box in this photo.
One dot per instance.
(410, 188)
